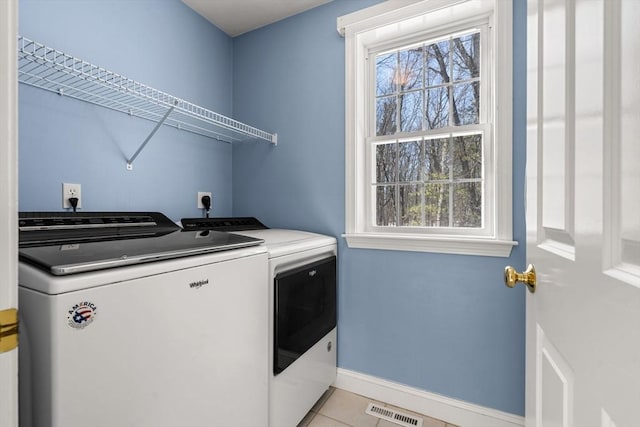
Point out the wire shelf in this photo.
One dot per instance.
(49, 69)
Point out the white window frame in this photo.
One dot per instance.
(394, 22)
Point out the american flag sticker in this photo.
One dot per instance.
(81, 315)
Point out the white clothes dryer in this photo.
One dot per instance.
(302, 325)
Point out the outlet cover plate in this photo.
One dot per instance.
(71, 190)
(200, 195)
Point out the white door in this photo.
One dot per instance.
(583, 213)
(8, 202)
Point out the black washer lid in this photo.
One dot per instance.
(223, 224)
(48, 228)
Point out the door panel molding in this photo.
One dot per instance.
(554, 406)
(556, 110)
(621, 257)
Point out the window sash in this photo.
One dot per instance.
(449, 32)
(487, 179)
(481, 27)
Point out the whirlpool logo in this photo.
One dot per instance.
(198, 284)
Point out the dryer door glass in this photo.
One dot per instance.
(305, 310)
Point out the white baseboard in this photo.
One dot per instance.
(453, 411)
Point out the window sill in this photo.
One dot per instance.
(436, 244)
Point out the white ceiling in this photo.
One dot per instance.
(236, 17)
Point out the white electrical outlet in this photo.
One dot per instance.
(71, 190)
(200, 195)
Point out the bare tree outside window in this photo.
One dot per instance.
(433, 179)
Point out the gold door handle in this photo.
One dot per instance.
(8, 329)
(528, 277)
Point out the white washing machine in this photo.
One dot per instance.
(302, 313)
(127, 320)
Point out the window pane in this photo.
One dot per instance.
(438, 63)
(386, 205)
(437, 108)
(410, 69)
(386, 115)
(436, 205)
(411, 111)
(466, 103)
(467, 204)
(437, 159)
(467, 156)
(386, 162)
(386, 66)
(410, 205)
(466, 57)
(409, 161)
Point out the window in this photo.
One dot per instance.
(430, 94)
(428, 127)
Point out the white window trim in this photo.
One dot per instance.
(362, 29)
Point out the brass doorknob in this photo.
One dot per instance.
(528, 277)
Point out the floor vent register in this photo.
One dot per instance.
(393, 416)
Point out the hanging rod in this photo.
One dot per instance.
(52, 70)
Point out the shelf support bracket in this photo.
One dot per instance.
(148, 138)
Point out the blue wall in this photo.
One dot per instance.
(441, 323)
(444, 324)
(161, 43)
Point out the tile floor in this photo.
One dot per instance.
(339, 408)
